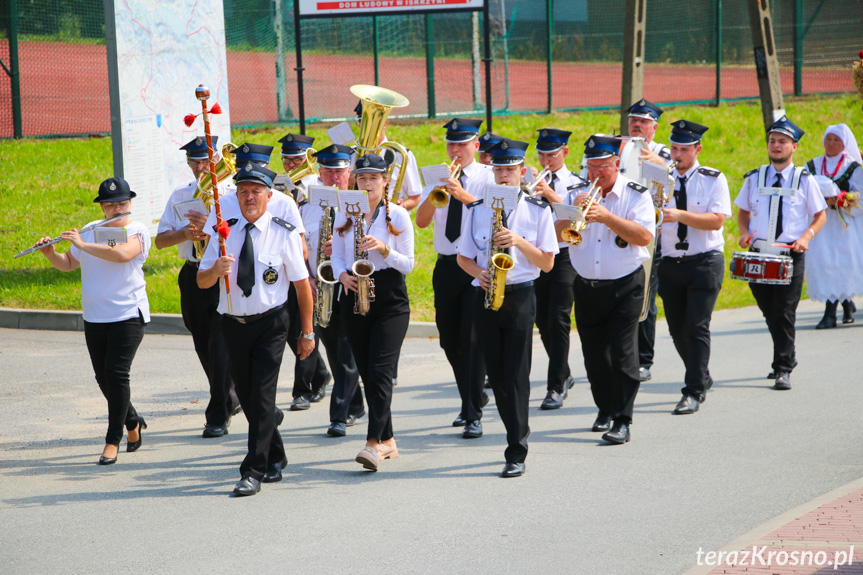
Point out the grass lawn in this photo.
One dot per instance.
(48, 186)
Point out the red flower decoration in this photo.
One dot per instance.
(224, 229)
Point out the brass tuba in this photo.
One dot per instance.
(324, 274)
(306, 168)
(572, 234)
(499, 262)
(439, 197)
(226, 167)
(377, 104)
(363, 268)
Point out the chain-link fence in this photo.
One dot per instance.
(697, 51)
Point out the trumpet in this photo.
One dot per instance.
(324, 273)
(661, 193)
(529, 188)
(572, 235)
(499, 262)
(439, 197)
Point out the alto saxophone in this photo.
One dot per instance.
(363, 268)
(499, 262)
(324, 273)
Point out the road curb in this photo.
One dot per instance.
(160, 323)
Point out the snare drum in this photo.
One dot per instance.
(761, 268)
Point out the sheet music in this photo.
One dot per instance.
(434, 175)
(501, 197)
(654, 173)
(324, 196)
(110, 236)
(182, 209)
(351, 201)
(342, 134)
(283, 183)
(571, 213)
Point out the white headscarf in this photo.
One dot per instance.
(844, 133)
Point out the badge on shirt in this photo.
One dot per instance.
(620, 242)
(271, 276)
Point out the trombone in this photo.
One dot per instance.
(572, 235)
(439, 197)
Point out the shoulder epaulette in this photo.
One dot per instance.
(302, 203)
(541, 202)
(474, 204)
(664, 153)
(749, 173)
(230, 222)
(636, 187)
(709, 172)
(805, 172)
(288, 226)
(577, 186)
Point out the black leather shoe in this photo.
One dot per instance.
(828, 321)
(274, 472)
(301, 403)
(484, 401)
(337, 429)
(321, 392)
(686, 406)
(567, 385)
(602, 423)
(783, 381)
(280, 417)
(771, 375)
(472, 430)
(644, 374)
(214, 431)
(352, 419)
(107, 460)
(247, 486)
(619, 433)
(848, 310)
(459, 421)
(135, 445)
(236, 410)
(553, 400)
(512, 470)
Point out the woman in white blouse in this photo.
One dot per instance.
(377, 336)
(115, 305)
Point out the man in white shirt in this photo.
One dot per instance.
(764, 219)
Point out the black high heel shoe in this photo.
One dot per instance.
(134, 445)
(108, 460)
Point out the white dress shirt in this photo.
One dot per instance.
(113, 291)
(478, 175)
(704, 194)
(797, 210)
(599, 257)
(169, 222)
(401, 256)
(529, 220)
(272, 250)
(280, 205)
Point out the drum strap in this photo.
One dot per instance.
(775, 221)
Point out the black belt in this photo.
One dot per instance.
(605, 283)
(516, 287)
(244, 319)
(693, 257)
(452, 258)
(192, 264)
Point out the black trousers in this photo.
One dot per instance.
(553, 308)
(310, 373)
(689, 288)
(506, 338)
(606, 314)
(255, 353)
(454, 302)
(778, 304)
(346, 397)
(647, 328)
(201, 318)
(112, 348)
(376, 339)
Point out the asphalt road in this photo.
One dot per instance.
(583, 507)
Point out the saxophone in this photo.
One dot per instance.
(363, 268)
(324, 274)
(499, 262)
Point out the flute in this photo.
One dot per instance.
(59, 239)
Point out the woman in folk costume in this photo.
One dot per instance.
(834, 266)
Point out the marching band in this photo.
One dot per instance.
(516, 246)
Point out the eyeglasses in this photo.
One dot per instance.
(597, 167)
(547, 155)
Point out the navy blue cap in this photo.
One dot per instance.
(295, 144)
(598, 147)
(196, 149)
(257, 153)
(645, 109)
(371, 164)
(487, 140)
(508, 152)
(335, 156)
(114, 190)
(252, 172)
(359, 109)
(551, 140)
(684, 132)
(460, 130)
(785, 126)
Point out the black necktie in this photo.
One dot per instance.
(777, 184)
(453, 214)
(503, 222)
(246, 265)
(682, 229)
(553, 182)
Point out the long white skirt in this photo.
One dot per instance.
(834, 264)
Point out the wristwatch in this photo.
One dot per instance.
(308, 336)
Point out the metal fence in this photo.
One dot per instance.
(548, 55)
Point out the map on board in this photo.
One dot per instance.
(164, 50)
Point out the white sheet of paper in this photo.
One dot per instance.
(528, 176)
(110, 236)
(571, 213)
(324, 196)
(182, 209)
(283, 183)
(501, 197)
(434, 175)
(342, 134)
(654, 173)
(351, 201)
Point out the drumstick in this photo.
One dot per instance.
(789, 246)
